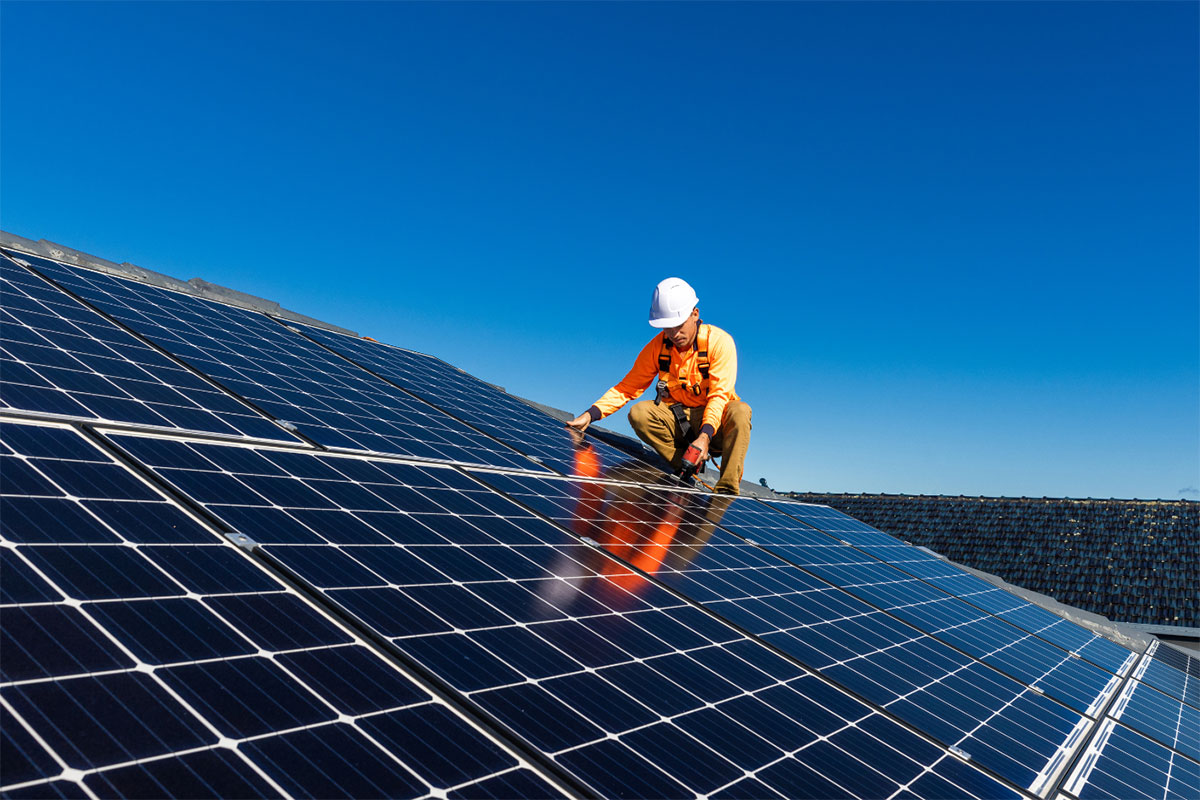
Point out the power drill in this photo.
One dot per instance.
(691, 462)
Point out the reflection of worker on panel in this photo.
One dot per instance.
(647, 528)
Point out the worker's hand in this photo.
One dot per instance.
(701, 444)
(581, 422)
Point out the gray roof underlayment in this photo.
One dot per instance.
(1129, 636)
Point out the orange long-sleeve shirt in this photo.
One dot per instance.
(686, 384)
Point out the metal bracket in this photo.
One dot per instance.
(958, 751)
(589, 541)
(243, 541)
(287, 426)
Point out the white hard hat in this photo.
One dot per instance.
(673, 301)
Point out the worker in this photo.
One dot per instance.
(696, 365)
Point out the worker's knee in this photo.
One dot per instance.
(641, 415)
(737, 415)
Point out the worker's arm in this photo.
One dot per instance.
(644, 370)
(722, 375)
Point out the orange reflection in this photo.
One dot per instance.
(648, 528)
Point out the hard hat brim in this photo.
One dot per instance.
(671, 322)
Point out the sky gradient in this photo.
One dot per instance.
(956, 243)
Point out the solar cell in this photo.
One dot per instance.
(158, 660)
(631, 689)
(1121, 764)
(60, 357)
(289, 377)
(969, 588)
(486, 407)
(1004, 725)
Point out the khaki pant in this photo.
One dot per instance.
(656, 426)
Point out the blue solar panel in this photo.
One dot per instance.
(1171, 672)
(1004, 726)
(1121, 764)
(157, 660)
(1128, 560)
(289, 377)
(1175, 658)
(59, 357)
(1035, 662)
(631, 689)
(487, 408)
(1159, 716)
(933, 570)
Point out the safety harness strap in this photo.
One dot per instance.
(702, 353)
(701, 345)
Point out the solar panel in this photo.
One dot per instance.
(1175, 658)
(142, 655)
(59, 357)
(1013, 651)
(1159, 716)
(1148, 745)
(487, 408)
(1009, 728)
(1171, 672)
(1121, 764)
(1128, 560)
(969, 588)
(289, 377)
(631, 689)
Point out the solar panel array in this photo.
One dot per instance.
(333, 403)
(59, 357)
(264, 560)
(144, 655)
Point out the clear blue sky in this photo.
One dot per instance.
(956, 242)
